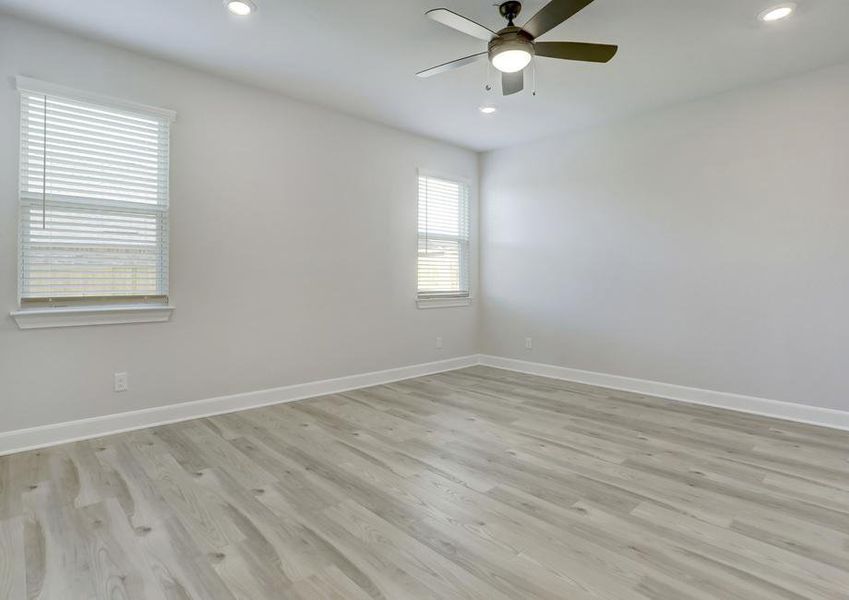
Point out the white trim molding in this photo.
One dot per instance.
(443, 302)
(789, 411)
(37, 86)
(75, 316)
(60, 433)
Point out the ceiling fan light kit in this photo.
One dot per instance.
(512, 49)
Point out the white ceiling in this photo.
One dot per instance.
(361, 56)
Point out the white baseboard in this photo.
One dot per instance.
(60, 433)
(801, 413)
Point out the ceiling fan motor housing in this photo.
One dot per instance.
(511, 38)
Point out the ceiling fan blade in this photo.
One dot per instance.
(512, 82)
(460, 23)
(451, 65)
(600, 53)
(553, 14)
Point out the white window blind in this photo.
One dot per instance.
(93, 199)
(443, 259)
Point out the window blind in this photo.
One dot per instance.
(93, 200)
(443, 238)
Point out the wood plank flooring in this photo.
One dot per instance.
(477, 484)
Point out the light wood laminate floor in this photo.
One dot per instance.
(479, 483)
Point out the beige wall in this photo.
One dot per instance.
(705, 245)
(293, 245)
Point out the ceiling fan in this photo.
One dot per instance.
(511, 49)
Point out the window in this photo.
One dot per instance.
(443, 252)
(93, 199)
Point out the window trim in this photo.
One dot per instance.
(446, 302)
(426, 300)
(101, 310)
(107, 314)
(37, 86)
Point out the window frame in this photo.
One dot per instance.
(425, 300)
(93, 310)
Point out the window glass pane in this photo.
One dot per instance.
(93, 200)
(443, 233)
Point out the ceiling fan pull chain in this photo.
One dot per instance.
(533, 77)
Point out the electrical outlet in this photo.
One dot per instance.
(529, 343)
(122, 383)
(439, 342)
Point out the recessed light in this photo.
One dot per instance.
(241, 8)
(487, 110)
(776, 13)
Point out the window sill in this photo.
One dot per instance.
(39, 318)
(442, 302)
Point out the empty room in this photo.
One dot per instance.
(424, 299)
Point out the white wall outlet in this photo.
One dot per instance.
(529, 343)
(122, 383)
(439, 342)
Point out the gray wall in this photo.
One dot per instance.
(293, 245)
(706, 245)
